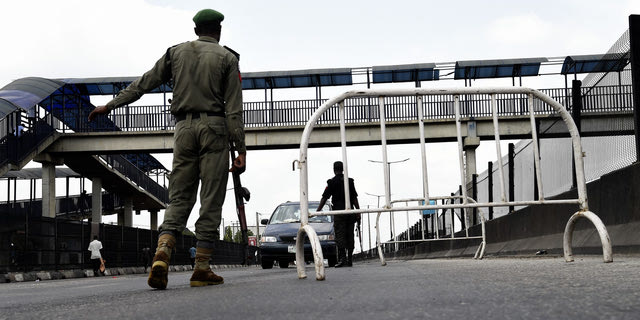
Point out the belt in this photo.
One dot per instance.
(196, 115)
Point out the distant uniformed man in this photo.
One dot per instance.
(207, 105)
(343, 224)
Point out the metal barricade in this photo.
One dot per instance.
(467, 202)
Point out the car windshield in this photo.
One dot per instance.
(290, 213)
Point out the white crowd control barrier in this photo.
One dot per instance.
(423, 202)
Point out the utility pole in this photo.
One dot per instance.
(258, 227)
(388, 189)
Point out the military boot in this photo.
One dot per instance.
(202, 274)
(342, 260)
(349, 257)
(159, 275)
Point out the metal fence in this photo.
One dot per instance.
(74, 206)
(614, 98)
(31, 243)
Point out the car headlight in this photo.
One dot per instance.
(269, 239)
(325, 237)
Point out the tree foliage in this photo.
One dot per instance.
(228, 234)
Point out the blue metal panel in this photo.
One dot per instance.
(595, 63)
(282, 82)
(296, 79)
(302, 81)
(402, 74)
(530, 69)
(497, 68)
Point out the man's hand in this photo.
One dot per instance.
(239, 162)
(97, 111)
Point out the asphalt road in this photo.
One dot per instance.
(498, 288)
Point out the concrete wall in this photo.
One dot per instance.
(613, 197)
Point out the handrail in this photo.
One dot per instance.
(455, 93)
(360, 109)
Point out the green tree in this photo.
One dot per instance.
(228, 234)
(238, 236)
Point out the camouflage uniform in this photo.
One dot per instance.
(207, 104)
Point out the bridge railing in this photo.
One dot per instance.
(16, 144)
(365, 109)
(525, 101)
(137, 176)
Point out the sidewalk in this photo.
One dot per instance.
(85, 273)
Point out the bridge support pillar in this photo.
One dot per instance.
(154, 219)
(471, 143)
(48, 190)
(49, 164)
(126, 219)
(96, 205)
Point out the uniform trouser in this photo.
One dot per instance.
(200, 154)
(343, 225)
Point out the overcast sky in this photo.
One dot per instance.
(75, 39)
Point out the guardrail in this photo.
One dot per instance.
(541, 102)
(365, 109)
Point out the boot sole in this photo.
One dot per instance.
(159, 275)
(205, 283)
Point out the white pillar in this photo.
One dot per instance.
(154, 219)
(49, 164)
(471, 142)
(48, 189)
(128, 212)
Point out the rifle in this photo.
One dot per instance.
(241, 194)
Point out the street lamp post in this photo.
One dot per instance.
(369, 215)
(388, 188)
(388, 172)
(258, 227)
(222, 228)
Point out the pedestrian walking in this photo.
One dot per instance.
(207, 106)
(146, 257)
(343, 224)
(192, 256)
(96, 257)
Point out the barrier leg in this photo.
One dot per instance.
(602, 231)
(480, 251)
(318, 259)
(380, 253)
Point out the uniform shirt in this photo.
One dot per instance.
(335, 190)
(95, 247)
(206, 78)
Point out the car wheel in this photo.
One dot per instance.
(283, 263)
(332, 261)
(266, 263)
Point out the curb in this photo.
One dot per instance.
(88, 273)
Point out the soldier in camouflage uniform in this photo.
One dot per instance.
(343, 224)
(207, 105)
